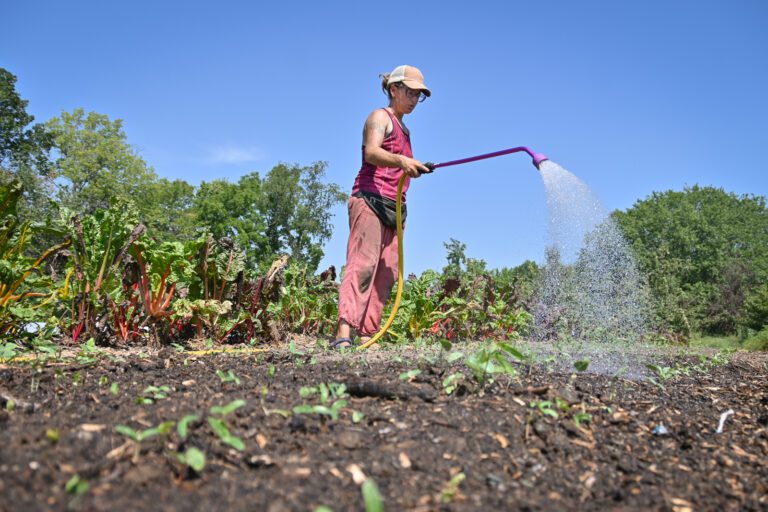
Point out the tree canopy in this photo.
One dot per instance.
(704, 250)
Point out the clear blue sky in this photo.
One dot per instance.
(632, 97)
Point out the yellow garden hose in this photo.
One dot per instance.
(396, 305)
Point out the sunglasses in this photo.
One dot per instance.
(413, 93)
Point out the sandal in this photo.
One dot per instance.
(339, 344)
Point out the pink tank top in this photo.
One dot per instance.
(383, 180)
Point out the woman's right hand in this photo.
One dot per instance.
(412, 167)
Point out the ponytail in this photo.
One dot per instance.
(384, 87)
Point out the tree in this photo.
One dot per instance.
(24, 150)
(169, 210)
(704, 250)
(296, 206)
(97, 163)
(233, 210)
(456, 258)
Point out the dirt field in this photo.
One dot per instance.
(549, 438)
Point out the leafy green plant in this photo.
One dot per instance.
(192, 457)
(163, 428)
(229, 376)
(76, 485)
(372, 497)
(331, 400)
(410, 374)
(582, 417)
(452, 382)
(21, 283)
(101, 242)
(492, 360)
(452, 488)
(153, 393)
(218, 424)
(544, 407)
(581, 365)
(183, 427)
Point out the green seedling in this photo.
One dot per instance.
(271, 371)
(77, 378)
(114, 388)
(489, 361)
(219, 425)
(357, 416)
(663, 372)
(327, 392)
(582, 365)
(193, 457)
(410, 374)
(455, 356)
(228, 377)
(10, 405)
(183, 427)
(103, 380)
(544, 407)
(76, 486)
(227, 409)
(451, 382)
(139, 436)
(221, 430)
(52, 435)
(582, 417)
(372, 497)
(452, 488)
(88, 352)
(152, 393)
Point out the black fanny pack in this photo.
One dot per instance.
(384, 208)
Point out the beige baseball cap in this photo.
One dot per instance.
(410, 76)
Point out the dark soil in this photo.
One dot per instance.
(495, 447)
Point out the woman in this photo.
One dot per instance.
(371, 268)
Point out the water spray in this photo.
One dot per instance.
(538, 158)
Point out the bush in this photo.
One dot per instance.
(758, 341)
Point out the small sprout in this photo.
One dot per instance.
(10, 405)
(221, 430)
(103, 380)
(193, 457)
(581, 365)
(228, 377)
(307, 391)
(454, 356)
(447, 345)
(357, 416)
(409, 375)
(452, 488)
(114, 388)
(271, 371)
(76, 486)
(183, 427)
(451, 382)
(152, 393)
(372, 497)
(544, 407)
(52, 435)
(582, 417)
(227, 409)
(562, 404)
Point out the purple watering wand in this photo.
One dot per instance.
(537, 158)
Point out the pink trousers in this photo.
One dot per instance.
(371, 269)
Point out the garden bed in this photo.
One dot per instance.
(548, 438)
